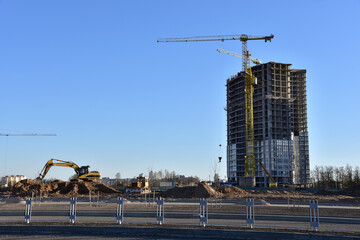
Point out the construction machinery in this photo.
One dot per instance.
(250, 81)
(82, 172)
(242, 37)
(26, 135)
(141, 186)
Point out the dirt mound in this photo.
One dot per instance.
(25, 187)
(232, 191)
(353, 191)
(203, 190)
(325, 192)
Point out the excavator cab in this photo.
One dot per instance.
(83, 170)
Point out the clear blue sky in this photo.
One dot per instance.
(93, 73)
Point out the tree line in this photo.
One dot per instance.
(167, 175)
(335, 177)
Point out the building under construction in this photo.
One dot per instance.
(280, 125)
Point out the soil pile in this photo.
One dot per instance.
(58, 188)
(353, 191)
(232, 191)
(203, 190)
(325, 192)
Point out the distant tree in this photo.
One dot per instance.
(342, 176)
(167, 174)
(160, 174)
(316, 175)
(73, 177)
(328, 176)
(349, 175)
(117, 176)
(173, 176)
(337, 176)
(357, 176)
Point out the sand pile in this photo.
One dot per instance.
(232, 191)
(58, 188)
(203, 190)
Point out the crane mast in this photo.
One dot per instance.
(250, 81)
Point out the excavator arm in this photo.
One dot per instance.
(273, 182)
(59, 163)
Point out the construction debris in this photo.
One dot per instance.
(232, 191)
(59, 188)
(203, 190)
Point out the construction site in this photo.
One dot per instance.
(267, 163)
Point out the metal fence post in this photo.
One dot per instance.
(203, 212)
(160, 211)
(250, 216)
(120, 210)
(72, 210)
(28, 209)
(314, 214)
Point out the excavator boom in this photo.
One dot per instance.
(82, 172)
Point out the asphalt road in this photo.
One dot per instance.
(132, 232)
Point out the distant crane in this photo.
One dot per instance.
(250, 81)
(24, 135)
(27, 134)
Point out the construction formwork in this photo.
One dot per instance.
(280, 124)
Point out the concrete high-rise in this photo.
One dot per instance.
(280, 125)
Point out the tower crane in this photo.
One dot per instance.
(250, 81)
(235, 54)
(242, 37)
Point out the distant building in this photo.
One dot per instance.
(108, 181)
(9, 181)
(280, 125)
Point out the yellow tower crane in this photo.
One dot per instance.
(242, 37)
(250, 81)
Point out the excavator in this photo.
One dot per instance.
(82, 172)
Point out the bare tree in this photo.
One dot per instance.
(342, 176)
(337, 176)
(117, 177)
(316, 174)
(349, 175)
(357, 176)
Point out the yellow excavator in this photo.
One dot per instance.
(82, 172)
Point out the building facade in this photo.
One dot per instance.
(9, 181)
(280, 125)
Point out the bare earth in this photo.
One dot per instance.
(223, 202)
